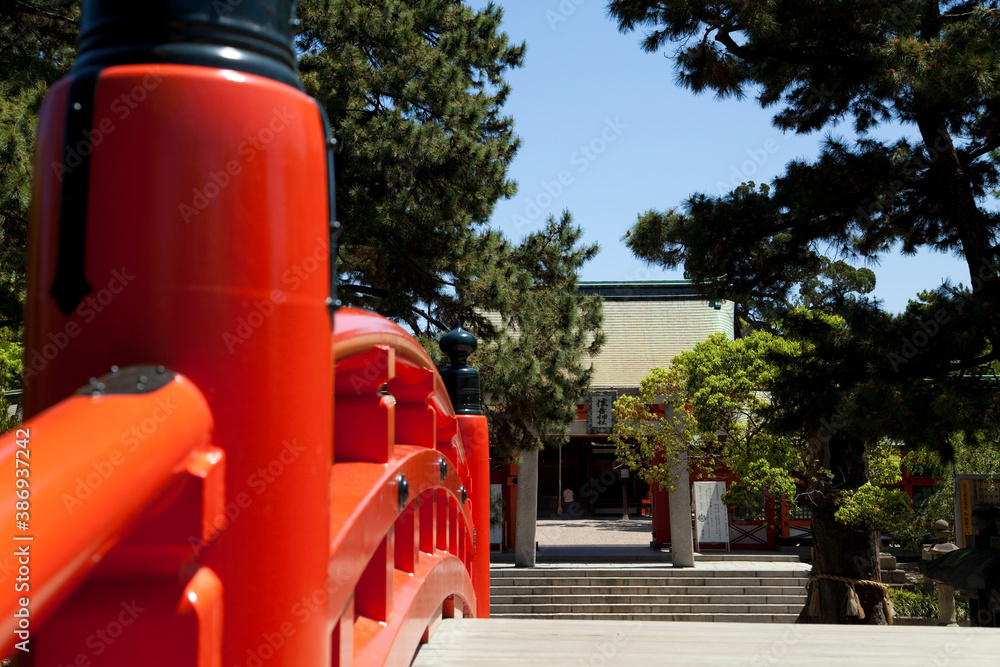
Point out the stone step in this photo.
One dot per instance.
(744, 594)
(612, 582)
(695, 598)
(647, 590)
(623, 609)
(710, 618)
(578, 573)
(894, 577)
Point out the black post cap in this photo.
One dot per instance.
(257, 34)
(461, 380)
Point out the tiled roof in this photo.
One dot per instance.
(647, 324)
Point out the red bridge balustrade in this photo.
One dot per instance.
(409, 481)
(256, 480)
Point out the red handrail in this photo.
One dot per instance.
(403, 547)
(80, 501)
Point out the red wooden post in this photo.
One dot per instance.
(462, 382)
(475, 437)
(196, 234)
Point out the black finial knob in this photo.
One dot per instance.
(458, 344)
(461, 380)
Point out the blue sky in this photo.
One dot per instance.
(607, 134)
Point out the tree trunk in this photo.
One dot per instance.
(844, 551)
(840, 550)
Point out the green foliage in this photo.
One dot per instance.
(496, 510)
(885, 464)
(783, 252)
(884, 508)
(912, 604)
(8, 420)
(414, 92)
(36, 38)
(534, 366)
(969, 459)
(773, 248)
(723, 386)
(924, 605)
(11, 358)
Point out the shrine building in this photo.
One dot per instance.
(646, 325)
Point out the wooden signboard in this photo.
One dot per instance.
(711, 514)
(970, 491)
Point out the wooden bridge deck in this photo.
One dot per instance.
(546, 643)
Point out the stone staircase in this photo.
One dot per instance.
(754, 594)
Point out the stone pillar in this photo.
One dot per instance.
(946, 604)
(527, 510)
(681, 534)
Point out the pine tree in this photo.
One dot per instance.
(926, 69)
(414, 92)
(535, 367)
(36, 38)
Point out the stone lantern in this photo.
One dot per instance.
(946, 592)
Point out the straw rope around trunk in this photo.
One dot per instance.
(854, 607)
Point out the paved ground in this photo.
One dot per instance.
(588, 532)
(512, 642)
(594, 542)
(617, 541)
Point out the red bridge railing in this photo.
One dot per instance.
(406, 478)
(405, 550)
(257, 480)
